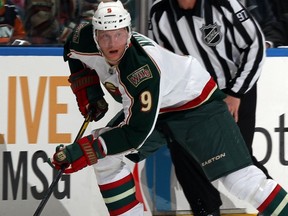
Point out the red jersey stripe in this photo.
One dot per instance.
(116, 183)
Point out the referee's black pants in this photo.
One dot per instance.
(246, 123)
(202, 196)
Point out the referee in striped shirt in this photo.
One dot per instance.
(228, 42)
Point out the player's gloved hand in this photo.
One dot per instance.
(96, 109)
(86, 151)
(85, 85)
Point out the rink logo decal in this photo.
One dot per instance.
(140, 75)
(211, 34)
(213, 159)
(16, 175)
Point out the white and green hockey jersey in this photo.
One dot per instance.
(148, 81)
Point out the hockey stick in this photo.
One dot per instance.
(60, 172)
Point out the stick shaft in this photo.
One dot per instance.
(60, 172)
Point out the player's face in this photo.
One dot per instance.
(186, 4)
(113, 43)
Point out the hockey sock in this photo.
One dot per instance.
(119, 196)
(276, 203)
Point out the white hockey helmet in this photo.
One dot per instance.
(111, 15)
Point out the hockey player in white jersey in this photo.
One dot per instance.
(154, 86)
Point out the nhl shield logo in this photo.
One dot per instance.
(211, 34)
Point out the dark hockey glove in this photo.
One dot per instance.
(85, 85)
(97, 109)
(86, 151)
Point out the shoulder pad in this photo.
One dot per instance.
(81, 40)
